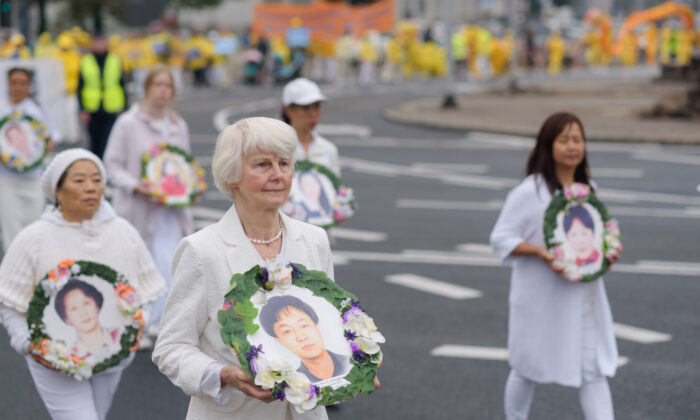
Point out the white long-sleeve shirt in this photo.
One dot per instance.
(320, 151)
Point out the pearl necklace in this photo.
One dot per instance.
(266, 241)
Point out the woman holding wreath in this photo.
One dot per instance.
(81, 225)
(301, 100)
(253, 165)
(21, 201)
(558, 331)
(144, 126)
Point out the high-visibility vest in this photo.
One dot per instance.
(106, 89)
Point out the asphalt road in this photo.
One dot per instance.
(428, 200)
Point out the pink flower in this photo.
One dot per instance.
(155, 150)
(338, 216)
(226, 305)
(568, 193)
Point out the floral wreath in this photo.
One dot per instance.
(159, 196)
(16, 163)
(57, 352)
(344, 205)
(237, 322)
(571, 196)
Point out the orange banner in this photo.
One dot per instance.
(327, 21)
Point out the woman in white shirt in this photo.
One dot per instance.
(145, 125)
(82, 226)
(21, 201)
(301, 100)
(559, 331)
(253, 165)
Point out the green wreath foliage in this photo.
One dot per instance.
(237, 322)
(40, 300)
(39, 129)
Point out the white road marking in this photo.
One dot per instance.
(686, 213)
(357, 235)
(453, 167)
(353, 130)
(202, 212)
(475, 248)
(639, 335)
(486, 353)
(433, 286)
(667, 158)
(216, 195)
(416, 256)
(223, 117)
(470, 352)
(630, 173)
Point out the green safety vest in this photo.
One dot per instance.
(106, 89)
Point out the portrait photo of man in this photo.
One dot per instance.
(294, 324)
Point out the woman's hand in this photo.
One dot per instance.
(138, 340)
(377, 384)
(143, 190)
(615, 258)
(548, 258)
(238, 378)
(39, 358)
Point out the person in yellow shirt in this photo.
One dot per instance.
(555, 50)
(369, 57)
(628, 56)
(666, 40)
(651, 34)
(16, 48)
(685, 46)
(391, 72)
(459, 53)
(44, 47)
(199, 54)
(176, 59)
(69, 56)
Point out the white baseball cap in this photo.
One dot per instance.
(302, 91)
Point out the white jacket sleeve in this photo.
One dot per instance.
(116, 156)
(177, 351)
(509, 231)
(151, 284)
(16, 325)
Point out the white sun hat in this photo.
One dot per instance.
(302, 91)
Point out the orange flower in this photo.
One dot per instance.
(52, 275)
(66, 263)
(76, 359)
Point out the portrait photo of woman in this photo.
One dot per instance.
(580, 232)
(79, 304)
(313, 197)
(16, 138)
(295, 325)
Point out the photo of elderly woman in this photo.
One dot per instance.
(295, 325)
(78, 304)
(580, 232)
(313, 197)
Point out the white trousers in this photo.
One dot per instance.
(594, 393)
(166, 238)
(21, 203)
(68, 399)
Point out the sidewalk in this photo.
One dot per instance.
(610, 103)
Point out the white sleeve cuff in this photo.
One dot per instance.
(16, 326)
(211, 384)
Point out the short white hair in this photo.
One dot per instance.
(245, 137)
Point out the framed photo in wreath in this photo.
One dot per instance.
(318, 196)
(299, 334)
(84, 318)
(173, 175)
(580, 233)
(23, 142)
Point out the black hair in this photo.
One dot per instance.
(26, 72)
(580, 213)
(284, 117)
(541, 160)
(269, 314)
(73, 284)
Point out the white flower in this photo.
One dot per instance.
(271, 372)
(75, 268)
(300, 392)
(363, 325)
(367, 345)
(259, 298)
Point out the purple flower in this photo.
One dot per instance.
(359, 355)
(355, 347)
(295, 270)
(264, 276)
(279, 392)
(254, 351)
(350, 335)
(354, 309)
(254, 367)
(314, 390)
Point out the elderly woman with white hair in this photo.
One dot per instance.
(80, 226)
(253, 165)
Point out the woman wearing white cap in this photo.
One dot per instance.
(21, 201)
(301, 100)
(81, 225)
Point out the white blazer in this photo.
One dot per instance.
(190, 339)
(544, 325)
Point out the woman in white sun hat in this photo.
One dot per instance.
(301, 108)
